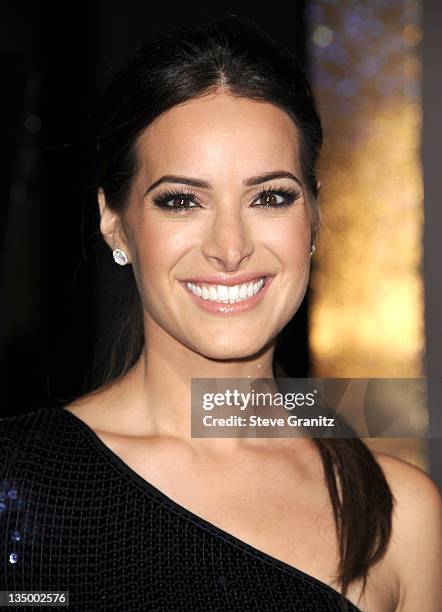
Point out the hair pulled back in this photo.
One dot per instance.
(234, 54)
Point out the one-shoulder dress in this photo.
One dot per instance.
(76, 519)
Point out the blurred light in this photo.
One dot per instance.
(366, 314)
(412, 35)
(413, 68)
(322, 36)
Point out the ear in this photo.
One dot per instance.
(110, 225)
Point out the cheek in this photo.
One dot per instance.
(289, 240)
(157, 247)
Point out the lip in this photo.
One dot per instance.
(221, 279)
(230, 309)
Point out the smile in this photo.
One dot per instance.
(225, 294)
(228, 299)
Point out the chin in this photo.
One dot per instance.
(229, 348)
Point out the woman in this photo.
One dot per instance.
(207, 192)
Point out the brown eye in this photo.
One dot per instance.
(270, 199)
(181, 202)
(177, 202)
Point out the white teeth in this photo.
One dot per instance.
(205, 293)
(233, 292)
(223, 292)
(226, 294)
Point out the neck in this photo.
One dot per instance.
(157, 391)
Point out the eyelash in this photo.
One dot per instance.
(162, 198)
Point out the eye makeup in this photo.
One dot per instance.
(180, 201)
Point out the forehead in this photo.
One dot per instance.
(219, 133)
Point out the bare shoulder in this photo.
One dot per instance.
(405, 476)
(416, 543)
(106, 411)
(412, 485)
(93, 408)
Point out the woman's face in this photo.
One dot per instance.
(204, 203)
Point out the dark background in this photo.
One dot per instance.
(56, 296)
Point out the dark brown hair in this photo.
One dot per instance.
(233, 53)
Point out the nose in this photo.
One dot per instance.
(228, 241)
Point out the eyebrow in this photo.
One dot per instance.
(201, 184)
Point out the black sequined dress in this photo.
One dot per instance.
(74, 517)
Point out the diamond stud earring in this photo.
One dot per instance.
(312, 250)
(120, 257)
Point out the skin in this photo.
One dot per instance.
(144, 417)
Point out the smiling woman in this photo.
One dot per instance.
(244, 227)
(207, 144)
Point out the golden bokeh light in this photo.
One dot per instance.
(367, 305)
